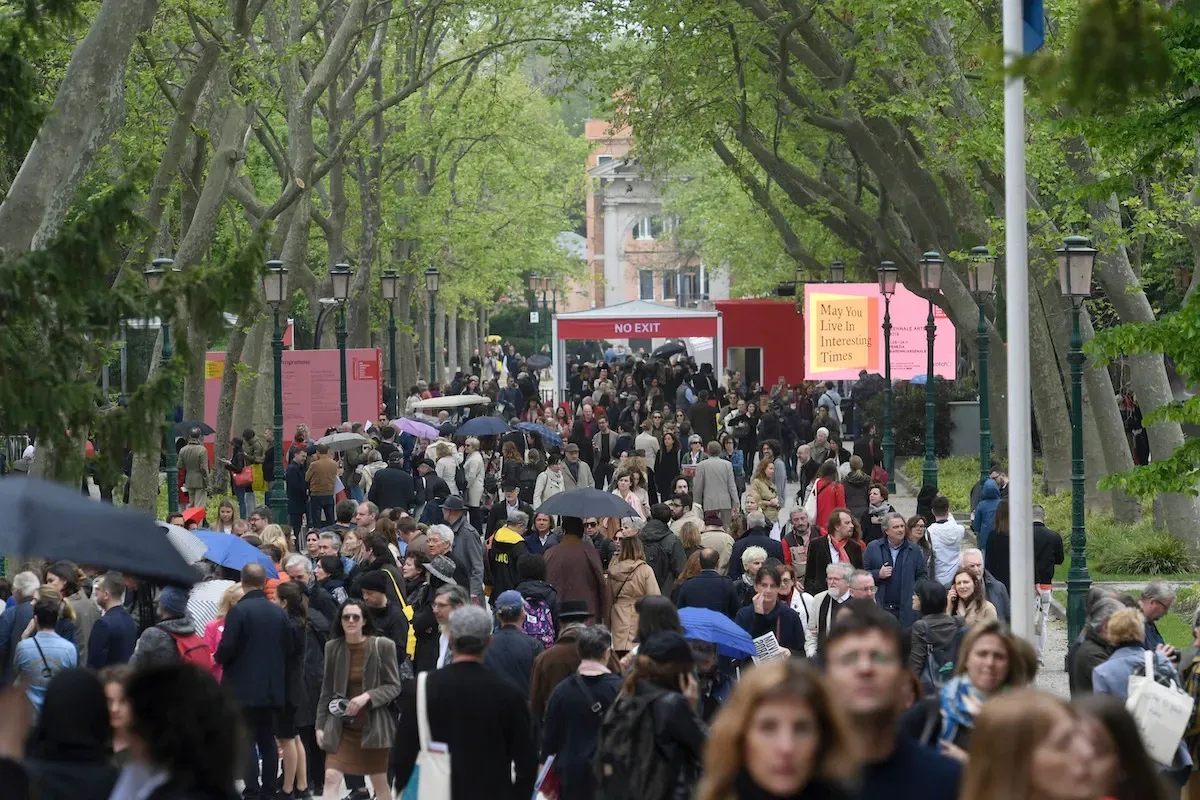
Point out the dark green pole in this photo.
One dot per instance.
(395, 410)
(341, 343)
(985, 424)
(1078, 578)
(278, 488)
(432, 338)
(929, 469)
(889, 441)
(171, 466)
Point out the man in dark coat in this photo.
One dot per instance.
(896, 564)
(867, 448)
(255, 650)
(15, 620)
(512, 651)
(389, 619)
(584, 429)
(297, 489)
(510, 502)
(704, 419)
(758, 534)
(431, 491)
(709, 588)
(462, 699)
(573, 568)
(392, 487)
(115, 634)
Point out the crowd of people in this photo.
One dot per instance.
(435, 634)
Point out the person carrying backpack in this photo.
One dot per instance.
(663, 549)
(651, 741)
(173, 640)
(935, 637)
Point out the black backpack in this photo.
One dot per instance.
(460, 478)
(658, 559)
(629, 762)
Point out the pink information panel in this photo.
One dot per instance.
(843, 333)
(311, 388)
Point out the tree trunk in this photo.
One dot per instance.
(229, 387)
(406, 361)
(1049, 400)
(1098, 384)
(452, 353)
(243, 401)
(144, 483)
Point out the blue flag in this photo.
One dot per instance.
(1033, 14)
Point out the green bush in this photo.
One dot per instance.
(908, 417)
(1156, 554)
(1187, 599)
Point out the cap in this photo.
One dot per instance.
(667, 647)
(509, 601)
(453, 503)
(573, 609)
(571, 448)
(173, 601)
(373, 581)
(509, 485)
(442, 568)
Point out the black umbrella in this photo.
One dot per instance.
(587, 503)
(52, 521)
(669, 349)
(539, 361)
(185, 428)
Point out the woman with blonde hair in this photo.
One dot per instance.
(273, 534)
(630, 579)
(215, 628)
(780, 734)
(689, 535)
(1029, 744)
(367, 470)
(763, 485)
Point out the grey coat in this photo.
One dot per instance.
(86, 614)
(381, 680)
(715, 488)
(156, 646)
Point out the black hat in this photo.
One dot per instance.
(509, 484)
(453, 503)
(396, 458)
(373, 581)
(573, 609)
(427, 462)
(667, 647)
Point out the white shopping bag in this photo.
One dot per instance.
(1161, 713)
(433, 760)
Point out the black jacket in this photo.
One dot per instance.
(819, 560)
(255, 649)
(866, 449)
(499, 515)
(297, 488)
(780, 620)
(316, 634)
(425, 657)
(500, 568)
(391, 623)
(572, 728)
(392, 487)
(511, 654)
(709, 589)
(464, 699)
(657, 534)
(431, 489)
(1047, 553)
(757, 537)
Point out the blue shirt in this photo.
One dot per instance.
(56, 654)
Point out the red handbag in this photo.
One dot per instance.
(879, 475)
(245, 478)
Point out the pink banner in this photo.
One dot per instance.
(311, 388)
(843, 333)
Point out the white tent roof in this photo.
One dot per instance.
(639, 309)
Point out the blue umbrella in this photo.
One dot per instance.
(233, 552)
(483, 426)
(715, 628)
(917, 380)
(587, 503)
(548, 436)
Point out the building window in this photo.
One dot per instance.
(644, 229)
(669, 279)
(603, 159)
(646, 284)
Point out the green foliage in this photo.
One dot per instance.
(1156, 554)
(908, 417)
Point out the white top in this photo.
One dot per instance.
(946, 538)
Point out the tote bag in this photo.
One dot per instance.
(1161, 713)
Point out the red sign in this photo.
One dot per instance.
(666, 328)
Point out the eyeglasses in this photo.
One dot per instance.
(351, 617)
(590, 524)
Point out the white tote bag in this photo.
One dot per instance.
(433, 760)
(1161, 713)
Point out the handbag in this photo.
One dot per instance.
(879, 474)
(244, 478)
(810, 501)
(431, 775)
(1161, 712)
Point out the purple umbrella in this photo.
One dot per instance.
(419, 429)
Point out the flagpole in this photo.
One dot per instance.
(1020, 444)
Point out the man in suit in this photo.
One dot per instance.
(576, 473)
(896, 564)
(255, 650)
(392, 487)
(431, 491)
(511, 502)
(193, 460)
(115, 634)
(462, 699)
(709, 588)
(713, 486)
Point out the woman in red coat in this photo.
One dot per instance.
(829, 491)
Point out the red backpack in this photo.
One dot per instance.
(193, 650)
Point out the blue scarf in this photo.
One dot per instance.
(958, 702)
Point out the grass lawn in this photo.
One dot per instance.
(1116, 551)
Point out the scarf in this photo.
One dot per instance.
(958, 702)
(879, 510)
(840, 546)
(573, 468)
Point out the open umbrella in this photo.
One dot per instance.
(416, 427)
(185, 428)
(716, 628)
(49, 520)
(233, 552)
(339, 442)
(451, 401)
(548, 436)
(587, 503)
(483, 426)
(669, 349)
(187, 543)
(539, 361)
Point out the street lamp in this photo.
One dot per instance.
(547, 288)
(982, 281)
(837, 272)
(155, 274)
(1075, 259)
(340, 276)
(389, 283)
(535, 286)
(275, 285)
(887, 287)
(931, 281)
(432, 279)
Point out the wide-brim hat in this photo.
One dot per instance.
(453, 503)
(442, 568)
(573, 609)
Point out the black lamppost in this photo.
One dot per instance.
(340, 276)
(547, 288)
(837, 272)
(931, 281)
(275, 285)
(1075, 259)
(155, 274)
(887, 288)
(432, 279)
(982, 281)
(535, 286)
(389, 283)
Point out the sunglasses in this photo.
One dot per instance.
(351, 617)
(590, 524)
